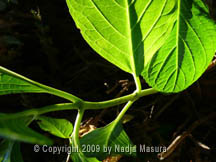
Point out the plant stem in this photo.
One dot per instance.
(138, 83)
(77, 126)
(123, 111)
(74, 140)
(137, 95)
(80, 105)
(117, 101)
(40, 111)
(60, 93)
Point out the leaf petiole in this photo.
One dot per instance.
(138, 83)
(118, 101)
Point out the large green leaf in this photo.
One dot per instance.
(16, 129)
(111, 137)
(59, 127)
(187, 52)
(11, 82)
(169, 42)
(121, 31)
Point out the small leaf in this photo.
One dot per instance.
(16, 129)
(58, 127)
(111, 136)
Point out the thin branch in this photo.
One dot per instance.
(179, 139)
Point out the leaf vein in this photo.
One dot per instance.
(196, 35)
(141, 15)
(187, 46)
(106, 39)
(107, 20)
(163, 64)
(152, 27)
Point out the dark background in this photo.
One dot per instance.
(39, 40)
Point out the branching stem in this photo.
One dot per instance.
(75, 133)
(81, 105)
(118, 101)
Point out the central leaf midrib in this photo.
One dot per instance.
(177, 40)
(130, 42)
(132, 47)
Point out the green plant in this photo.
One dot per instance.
(163, 41)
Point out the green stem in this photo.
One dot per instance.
(77, 125)
(75, 134)
(137, 94)
(118, 101)
(138, 83)
(83, 105)
(124, 110)
(60, 93)
(43, 110)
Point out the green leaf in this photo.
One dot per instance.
(5, 150)
(16, 129)
(169, 42)
(11, 82)
(111, 136)
(77, 155)
(59, 127)
(10, 151)
(187, 52)
(16, 155)
(121, 31)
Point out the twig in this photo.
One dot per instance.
(179, 139)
